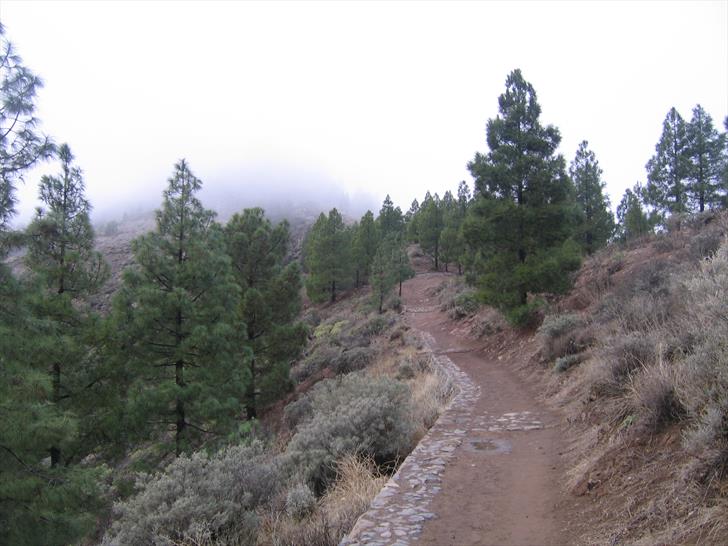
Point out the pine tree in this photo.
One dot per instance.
(522, 219)
(464, 198)
(182, 302)
(364, 246)
(382, 276)
(430, 225)
(390, 268)
(411, 222)
(669, 168)
(60, 238)
(400, 260)
(271, 300)
(633, 221)
(61, 255)
(21, 144)
(596, 222)
(390, 220)
(705, 148)
(327, 252)
(39, 504)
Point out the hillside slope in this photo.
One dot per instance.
(634, 357)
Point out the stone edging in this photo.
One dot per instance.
(398, 512)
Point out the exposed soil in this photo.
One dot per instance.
(504, 484)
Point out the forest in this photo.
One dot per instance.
(110, 413)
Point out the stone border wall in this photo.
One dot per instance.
(397, 514)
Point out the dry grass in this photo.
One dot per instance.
(358, 481)
(649, 404)
(431, 392)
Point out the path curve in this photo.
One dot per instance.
(489, 471)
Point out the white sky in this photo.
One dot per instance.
(378, 97)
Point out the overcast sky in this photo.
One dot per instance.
(372, 97)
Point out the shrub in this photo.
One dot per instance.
(297, 411)
(353, 414)
(526, 316)
(489, 322)
(353, 360)
(405, 371)
(198, 498)
(375, 326)
(323, 355)
(330, 329)
(554, 326)
(645, 312)
(655, 397)
(706, 243)
(464, 305)
(300, 501)
(565, 362)
(627, 354)
(664, 243)
(562, 335)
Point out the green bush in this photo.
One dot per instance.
(525, 316)
(353, 414)
(464, 305)
(199, 498)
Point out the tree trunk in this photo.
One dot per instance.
(181, 423)
(333, 291)
(56, 397)
(251, 409)
(460, 268)
(589, 241)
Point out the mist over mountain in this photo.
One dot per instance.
(282, 191)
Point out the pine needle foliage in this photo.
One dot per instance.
(179, 305)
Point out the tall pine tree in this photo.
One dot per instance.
(596, 221)
(523, 217)
(61, 255)
(270, 303)
(364, 246)
(327, 252)
(182, 302)
(390, 220)
(430, 224)
(669, 168)
(633, 221)
(705, 150)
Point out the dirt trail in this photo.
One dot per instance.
(503, 483)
